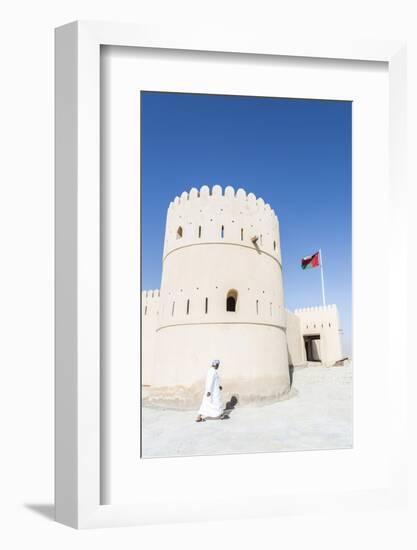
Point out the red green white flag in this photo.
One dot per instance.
(311, 261)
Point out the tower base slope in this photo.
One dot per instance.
(253, 364)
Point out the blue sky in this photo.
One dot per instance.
(296, 154)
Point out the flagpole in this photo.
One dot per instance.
(322, 279)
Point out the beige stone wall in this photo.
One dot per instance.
(324, 321)
(252, 363)
(208, 255)
(150, 312)
(296, 354)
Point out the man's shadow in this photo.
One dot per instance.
(229, 408)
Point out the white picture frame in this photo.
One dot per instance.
(78, 406)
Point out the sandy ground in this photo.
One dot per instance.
(317, 415)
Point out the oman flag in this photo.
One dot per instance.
(310, 261)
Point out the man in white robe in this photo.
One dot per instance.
(212, 404)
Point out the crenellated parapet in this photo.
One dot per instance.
(216, 192)
(150, 303)
(327, 308)
(148, 294)
(318, 318)
(224, 217)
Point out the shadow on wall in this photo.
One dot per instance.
(254, 240)
(291, 373)
(290, 367)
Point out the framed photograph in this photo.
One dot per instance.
(217, 335)
(228, 213)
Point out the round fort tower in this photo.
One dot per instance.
(221, 297)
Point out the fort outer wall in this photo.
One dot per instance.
(323, 321)
(149, 318)
(296, 352)
(209, 258)
(306, 322)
